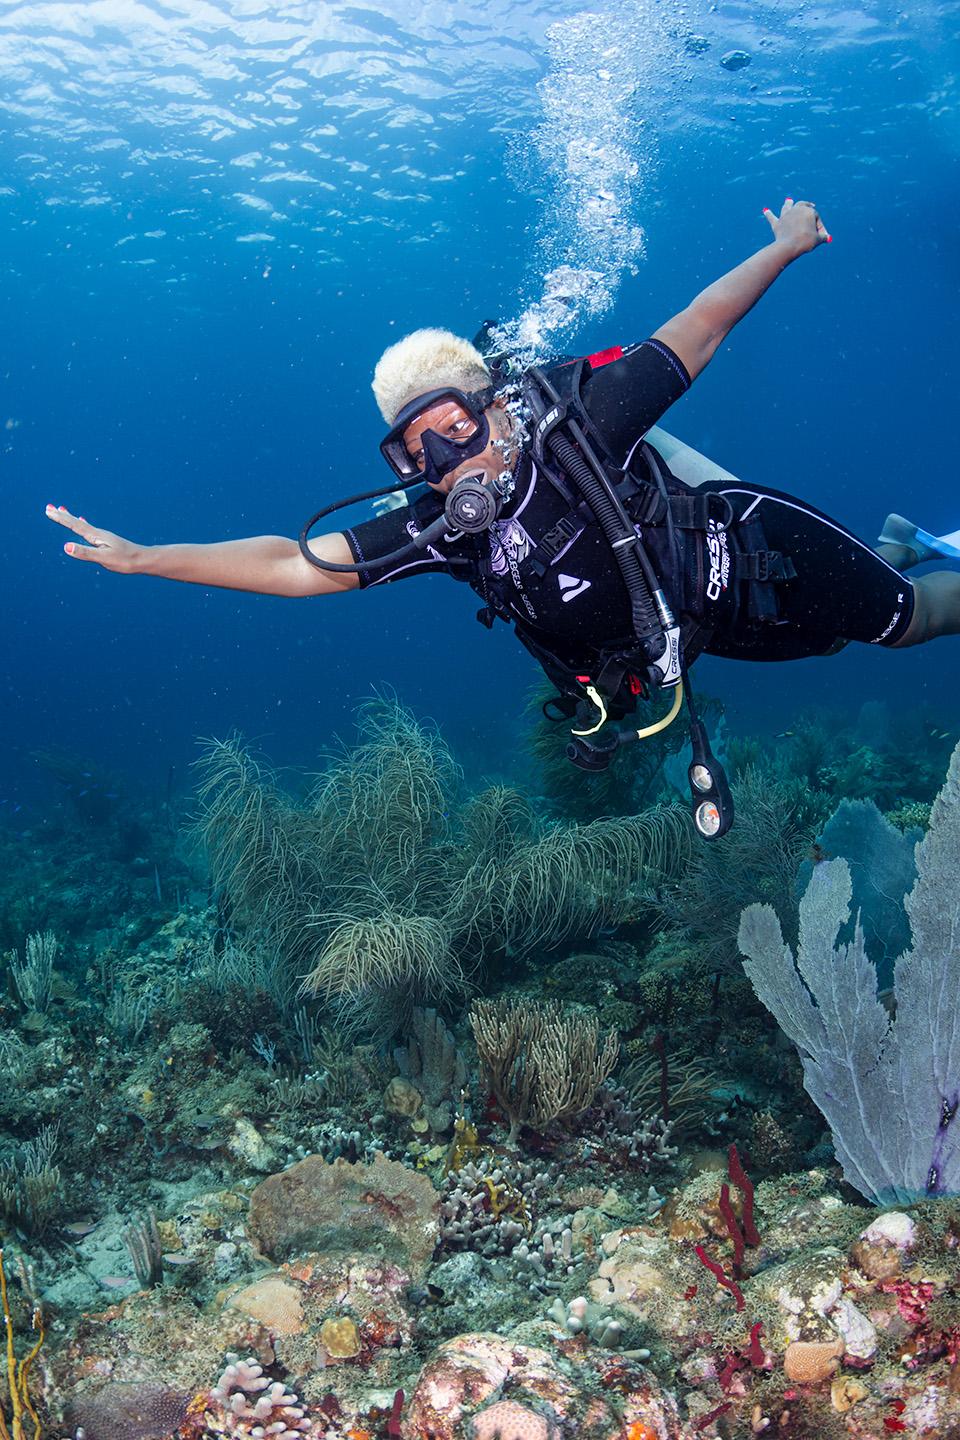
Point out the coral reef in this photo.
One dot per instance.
(597, 1203)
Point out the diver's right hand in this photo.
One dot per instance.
(101, 546)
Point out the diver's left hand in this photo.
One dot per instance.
(799, 226)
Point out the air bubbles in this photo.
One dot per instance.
(595, 154)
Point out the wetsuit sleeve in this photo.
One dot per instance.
(381, 536)
(628, 390)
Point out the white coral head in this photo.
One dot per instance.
(894, 1228)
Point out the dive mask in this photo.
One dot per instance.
(441, 453)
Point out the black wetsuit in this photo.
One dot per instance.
(577, 607)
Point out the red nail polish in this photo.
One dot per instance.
(789, 199)
(829, 239)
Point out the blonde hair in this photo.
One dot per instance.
(426, 360)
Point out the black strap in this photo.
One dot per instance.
(642, 501)
(559, 483)
(762, 570)
(646, 507)
(693, 512)
(557, 538)
(761, 566)
(488, 586)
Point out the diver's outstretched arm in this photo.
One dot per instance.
(696, 332)
(264, 564)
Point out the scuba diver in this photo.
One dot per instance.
(617, 553)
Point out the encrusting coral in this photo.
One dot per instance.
(810, 1361)
(508, 1420)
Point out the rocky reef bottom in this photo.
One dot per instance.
(311, 1304)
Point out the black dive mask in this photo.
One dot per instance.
(441, 453)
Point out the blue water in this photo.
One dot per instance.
(213, 218)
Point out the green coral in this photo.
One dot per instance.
(759, 859)
(911, 815)
(387, 884)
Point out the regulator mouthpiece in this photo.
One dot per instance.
(472, 506)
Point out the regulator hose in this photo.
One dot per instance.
(617, 529)
(638, 574)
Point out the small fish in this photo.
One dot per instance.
(78, 1228)
(785, 735)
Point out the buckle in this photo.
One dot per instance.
(645, 505)
(761, 566)
(549, 546)
(567, 527)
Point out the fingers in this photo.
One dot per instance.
(61, 516)
(823, 235)
(83, 552)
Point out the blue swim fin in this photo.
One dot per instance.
(898, 531)
(942, 544)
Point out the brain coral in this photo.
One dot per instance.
(275, 1302)
(506, 1420)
